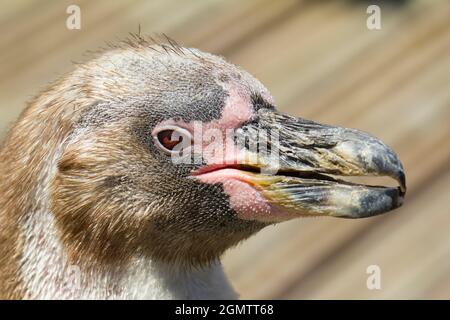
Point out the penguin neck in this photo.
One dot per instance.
(47, 274)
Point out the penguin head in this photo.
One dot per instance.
(164, 159)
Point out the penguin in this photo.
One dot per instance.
(129, 177)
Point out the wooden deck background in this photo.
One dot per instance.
(321, 62)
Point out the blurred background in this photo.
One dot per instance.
(320, 61)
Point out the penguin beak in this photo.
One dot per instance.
(304, 163)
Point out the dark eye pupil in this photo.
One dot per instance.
(168, 140)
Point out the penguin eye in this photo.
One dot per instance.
(171, 139)
(168, 140)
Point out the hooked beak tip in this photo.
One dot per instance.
(401, 178)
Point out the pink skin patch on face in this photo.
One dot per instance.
(214, 139)
(245, 200)
(238, 109)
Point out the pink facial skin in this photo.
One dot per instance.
(237, 110)
(247, 202)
